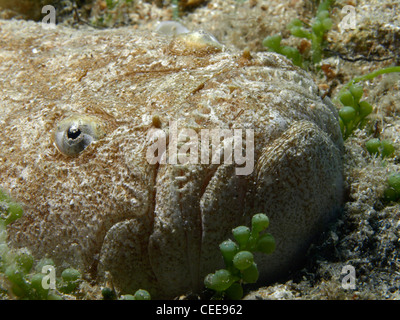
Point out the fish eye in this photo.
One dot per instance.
(76, 133)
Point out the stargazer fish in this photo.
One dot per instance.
(87, 121)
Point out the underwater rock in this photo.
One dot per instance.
(105, 207)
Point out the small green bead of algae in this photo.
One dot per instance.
(228, 250)
(243, 259)
(3, 196)
(36, 283)
(323, 14)
(390, 194)
(70, 274)
(241, 235)
(394, 182)
(318, 28)
(266, 243)
(373, 146)
(347, 114)
(108, 294)
(347, 99)
(251, 274)
(24, 260)
(142, 295)
(365, 109)
(357, 92)
(327, 24)
(387, 148)
(16, 276)
(299, 32)
(273, 42)
(295, 23)
(259, 222)
(14, 212)
(219, 281)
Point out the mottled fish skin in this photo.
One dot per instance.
(158, 227)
